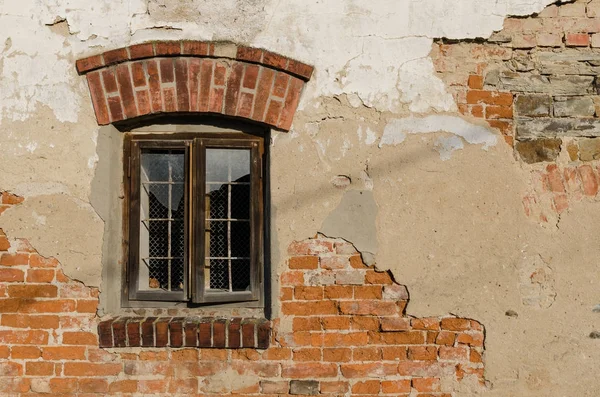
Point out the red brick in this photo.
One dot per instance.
(422, 353)
(308, 370)
(79, 338)
(90, 63)
(280, 85)
(338, 292)
(215, 102)
(263, 91)
(379, 370)
(291, 103)
(98, 99)
(306, 324)
(110, 81)
(220, 73)
(366, 387)
(309, 308)
(11, 369)
(64, 353)
(429, 323)
(193, 83)
(138, 74)
(460, 353)
(277, 353)
(169, 99)
(275, 60)
(356, 262)
(346, 339)
(395, 386)
(32, 291)
(123, 386)
(475, 82)
(154, 84)
(63, 385)
(39, 368)
(206, 72)
(335, 387)
(308, 293)
(233, 88)
(287, 293)
(301, 69)
(27, 321)
(139, 51)
(303, 262)
(577, 39)
(456, 324)
(395, 324)
(375, 277)
(369, 307)
(24, 337)
(251, 76)
(93, 385)
(307, 354)
(445, 338)
(181, 79)
(115, 56)
(366, 323)
(25, 352)
(337, 354)
(366, 354)
(168, 48)
(11, 275)
(249, 54)
(14, 259)
(4, 351)
(368, 292)
(36, 260)
(335, 322)
(49, 306)
(472, 339)
(292, 278)
(195, 48)
(489, 97)
(426, 384)
(116, 109)
(92, 369)
(499, 112)
(401, 338)
(273, 112)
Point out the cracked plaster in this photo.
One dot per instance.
(453, 231)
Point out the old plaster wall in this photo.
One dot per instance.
(378, 144)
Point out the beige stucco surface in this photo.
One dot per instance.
(449, 223)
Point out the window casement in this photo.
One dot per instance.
(196, 226)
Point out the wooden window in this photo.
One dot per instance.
(195, 217)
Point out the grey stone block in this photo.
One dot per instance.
(538, 150)
(569, 67)
(569, 55)
(574, 107)
(530, 128)
(304, 387)
(533, 105)
(553, 85)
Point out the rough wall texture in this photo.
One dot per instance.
(403, 122)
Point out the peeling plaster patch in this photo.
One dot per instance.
(446, 145)
(354, 220)
(422, 89)
(52, 224)
(396, 130)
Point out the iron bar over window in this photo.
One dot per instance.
(195, 217)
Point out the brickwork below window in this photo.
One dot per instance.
(342, 330)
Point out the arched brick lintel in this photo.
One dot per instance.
(194, 77)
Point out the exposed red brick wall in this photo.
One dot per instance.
(191, 77)
(342, 330)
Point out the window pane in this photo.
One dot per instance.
(228, 224)
(162, 220)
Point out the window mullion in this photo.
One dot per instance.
(199, 221)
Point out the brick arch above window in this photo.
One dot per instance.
(191, 77)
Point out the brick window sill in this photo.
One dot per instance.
(231, 333)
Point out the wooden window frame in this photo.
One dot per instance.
(195, 145)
